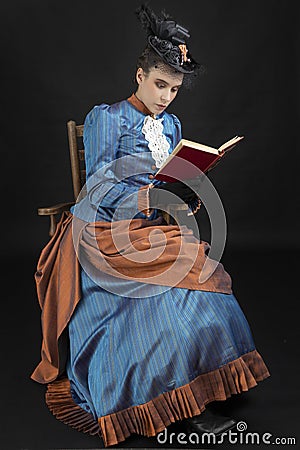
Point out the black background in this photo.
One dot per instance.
(59, 59)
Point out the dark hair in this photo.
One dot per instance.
(149, 59)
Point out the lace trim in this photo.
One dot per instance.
(157, 141)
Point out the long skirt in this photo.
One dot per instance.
(138, 364)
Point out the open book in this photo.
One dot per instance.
(198, 157)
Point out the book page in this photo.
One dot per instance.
(197, 146)
(230, 143)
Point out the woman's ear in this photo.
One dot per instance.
(140, 75)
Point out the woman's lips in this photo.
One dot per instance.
(161, 106)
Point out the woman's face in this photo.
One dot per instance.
(157, 89)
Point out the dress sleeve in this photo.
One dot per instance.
(102, 131)
(177, 134)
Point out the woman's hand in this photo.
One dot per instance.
(158, 195)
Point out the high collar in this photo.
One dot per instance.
(140, 105)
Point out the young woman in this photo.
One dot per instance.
(147, 344)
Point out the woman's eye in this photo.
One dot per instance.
(160, 86)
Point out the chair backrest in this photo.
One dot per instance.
(75, 133)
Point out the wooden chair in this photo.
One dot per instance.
(75, 133)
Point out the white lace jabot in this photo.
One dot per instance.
(157, 141)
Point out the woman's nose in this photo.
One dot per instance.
(166, 96)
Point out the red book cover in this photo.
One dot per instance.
(189, 158)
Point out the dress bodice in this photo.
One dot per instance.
(124, 147)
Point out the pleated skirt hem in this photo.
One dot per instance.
(154, 416)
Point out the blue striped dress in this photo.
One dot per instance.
(125, 351)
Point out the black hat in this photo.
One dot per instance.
(168, 39)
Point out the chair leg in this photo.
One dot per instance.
(52, 225)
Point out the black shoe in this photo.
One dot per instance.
(209, 422)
